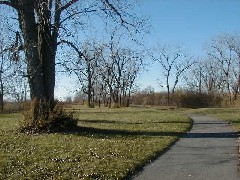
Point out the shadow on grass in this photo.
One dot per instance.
(217, 123)
(125, 122)
(89, 131)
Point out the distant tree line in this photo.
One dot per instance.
(107, 72)
(182, 99)
(219, 71)
(210, 81)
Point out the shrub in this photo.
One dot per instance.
(58, 119)
(198, 100)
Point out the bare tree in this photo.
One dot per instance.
(174, 62)
(41, 24)
(131, 70)
(119, 71)
(180, 69)
(3, 69)
(224, 50)
(204, 77)
(86, 66)
(12, 71)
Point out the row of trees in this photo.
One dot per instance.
(219, 71)
(181, 98)
(214, 77)
(106, 72)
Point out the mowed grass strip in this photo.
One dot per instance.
(108, 144)
(231, 115)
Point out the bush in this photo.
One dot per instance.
(58, 119)
(198, 100)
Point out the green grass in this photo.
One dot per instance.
(231, 115)
(108, 144)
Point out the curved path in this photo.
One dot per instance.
(207, 152)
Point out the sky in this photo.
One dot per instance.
(189, 23)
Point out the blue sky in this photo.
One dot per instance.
(190, 23)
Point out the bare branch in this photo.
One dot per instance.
(80, 54)
(8, 3)
(68, 5)
(76, 13)
(111, 7)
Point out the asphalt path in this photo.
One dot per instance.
(208, 152)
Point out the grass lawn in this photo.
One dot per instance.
(231, 115)
(108, 144)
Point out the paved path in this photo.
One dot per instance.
(207, 152)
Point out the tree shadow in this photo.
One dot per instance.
(126, 122)
(222, 123)
(212, 135)
(90, 131)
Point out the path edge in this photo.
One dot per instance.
(139, 169)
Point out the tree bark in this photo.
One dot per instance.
(40, 51)
(46, 50)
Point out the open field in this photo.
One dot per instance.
(231, 115)
(108, 144)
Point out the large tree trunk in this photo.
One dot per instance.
(28, 27)
(40, 50)
(46, 51)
